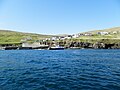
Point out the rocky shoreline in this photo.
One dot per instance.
(67, 44)
(71, 45)
(97, 45)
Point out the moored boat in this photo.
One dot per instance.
(56, 48)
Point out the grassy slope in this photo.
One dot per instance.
(110, 36)
(7, 36)
(15, 37)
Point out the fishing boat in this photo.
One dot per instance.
(56, 48)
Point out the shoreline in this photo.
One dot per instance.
(67, 44)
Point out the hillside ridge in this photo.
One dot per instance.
(9, 36)
(104, 30)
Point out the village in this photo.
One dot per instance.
(80, 35)
(64, 42)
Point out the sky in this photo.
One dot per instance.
(59, 16)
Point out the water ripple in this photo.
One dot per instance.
(60, 70)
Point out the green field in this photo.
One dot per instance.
(105, 30)
(111, 35)
(7, 37)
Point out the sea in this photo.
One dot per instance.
(83, 69)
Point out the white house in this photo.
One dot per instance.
(61, 38)
(75, 36)
(103, 33)
(68, 37)
(88, 34)
(115, 32)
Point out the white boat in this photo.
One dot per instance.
(57, 48)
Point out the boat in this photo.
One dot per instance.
(56, 48)
(24, 48)
(9, 48)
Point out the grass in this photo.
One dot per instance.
(106, 41)
(105, 30)
(111, 36)
(15, 37)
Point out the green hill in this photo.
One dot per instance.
(7, 36)
(114, 33)
(106, 30)
(11, 37)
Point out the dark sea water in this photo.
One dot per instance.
(60, 70)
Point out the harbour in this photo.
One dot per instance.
(61, 45)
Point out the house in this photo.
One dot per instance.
(54, 38)
(103, 33)
(47, 39)
(61, 38)
(115, 32)
(75, 35)
(88, 34)
(81, 34)
(68, 37)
